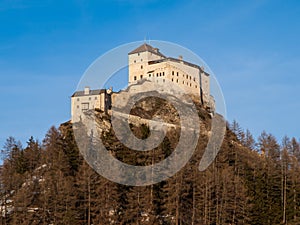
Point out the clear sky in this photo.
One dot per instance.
(252, 46)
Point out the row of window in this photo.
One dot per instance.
(135, 60)
(173, 73)
(187, 83)
(90, 98)
(173, 80)
(187, 76)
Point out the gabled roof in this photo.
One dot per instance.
(92, 92)
(146, 48)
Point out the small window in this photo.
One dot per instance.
(187, 77)
(138, 54)
(172, 79)
(190, 84)
(177, 80)
(163, 73)
(195, 86)
(157, 74)
(90, 98)
(160, 74)
(85, 106)
(134, 77)
(190, 77)
(141, 76)
(95, 98)
(163, 80)
(134, 61)
(194, 79)
(183, 82)
(172, 72)
(187, 83)
(77, 106)
(78, 99)
(141, 60)
(177, 74)
(141, 66)
(149, 74)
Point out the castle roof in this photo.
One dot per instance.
(92, 92)
(146, 48)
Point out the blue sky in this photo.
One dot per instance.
(252, 47)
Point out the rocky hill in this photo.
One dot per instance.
(50, 183)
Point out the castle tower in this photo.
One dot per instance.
(138, 61)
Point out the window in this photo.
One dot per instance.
(77, 106)
(78, 99)
(141, 66)
(95, 98)
(190, 84)
(90, 98)
(190, 77)
(177, 74)
(85, 106)
(157, 74)
(183, 82)
(172, 72)
(164, 80)
(187, 77)
(134, 77)
(134, 61)
(177, 80)
(141, 60)
(187, 83)
(194, 79)
(163, 73)
(160, 74)
(195, 86)
(138, 54)
(141, 76)
(149, 74)
(172, 79)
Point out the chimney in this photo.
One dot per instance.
(87, 90)
(180, 57)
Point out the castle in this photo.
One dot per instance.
(148, 63)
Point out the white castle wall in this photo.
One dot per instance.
(88, 101)
(188, 77)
